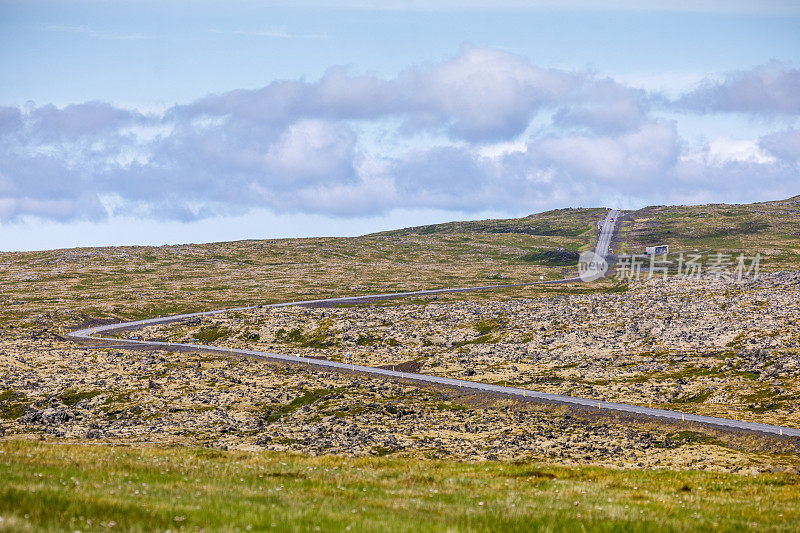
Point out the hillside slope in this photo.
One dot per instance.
(567, 222)
(769, 228)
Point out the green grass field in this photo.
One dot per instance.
(69, 487)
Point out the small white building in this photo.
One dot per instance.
(657, 250)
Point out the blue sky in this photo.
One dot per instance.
(164, 122)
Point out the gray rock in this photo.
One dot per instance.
(48, 417)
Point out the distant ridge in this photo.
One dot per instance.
(567, 222)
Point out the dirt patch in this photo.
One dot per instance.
(407, 366)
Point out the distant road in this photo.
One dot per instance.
(606, 232)
(603, 242)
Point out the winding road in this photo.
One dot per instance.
(603, 242)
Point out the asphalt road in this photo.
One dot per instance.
(606, 232)
(603, 242)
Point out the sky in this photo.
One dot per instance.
(174, 121)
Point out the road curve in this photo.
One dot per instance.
(603, 243)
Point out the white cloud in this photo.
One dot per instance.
(783, 144)
(766, 90)
(670, 83)
(312, 151)
(484, 130)
(724, 150)
(496, 150)
(619, 160)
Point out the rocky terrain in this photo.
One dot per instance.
(717, 347)
(713, 347)
(103, 394)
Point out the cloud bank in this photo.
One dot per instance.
(483, 130)
(772, 89)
